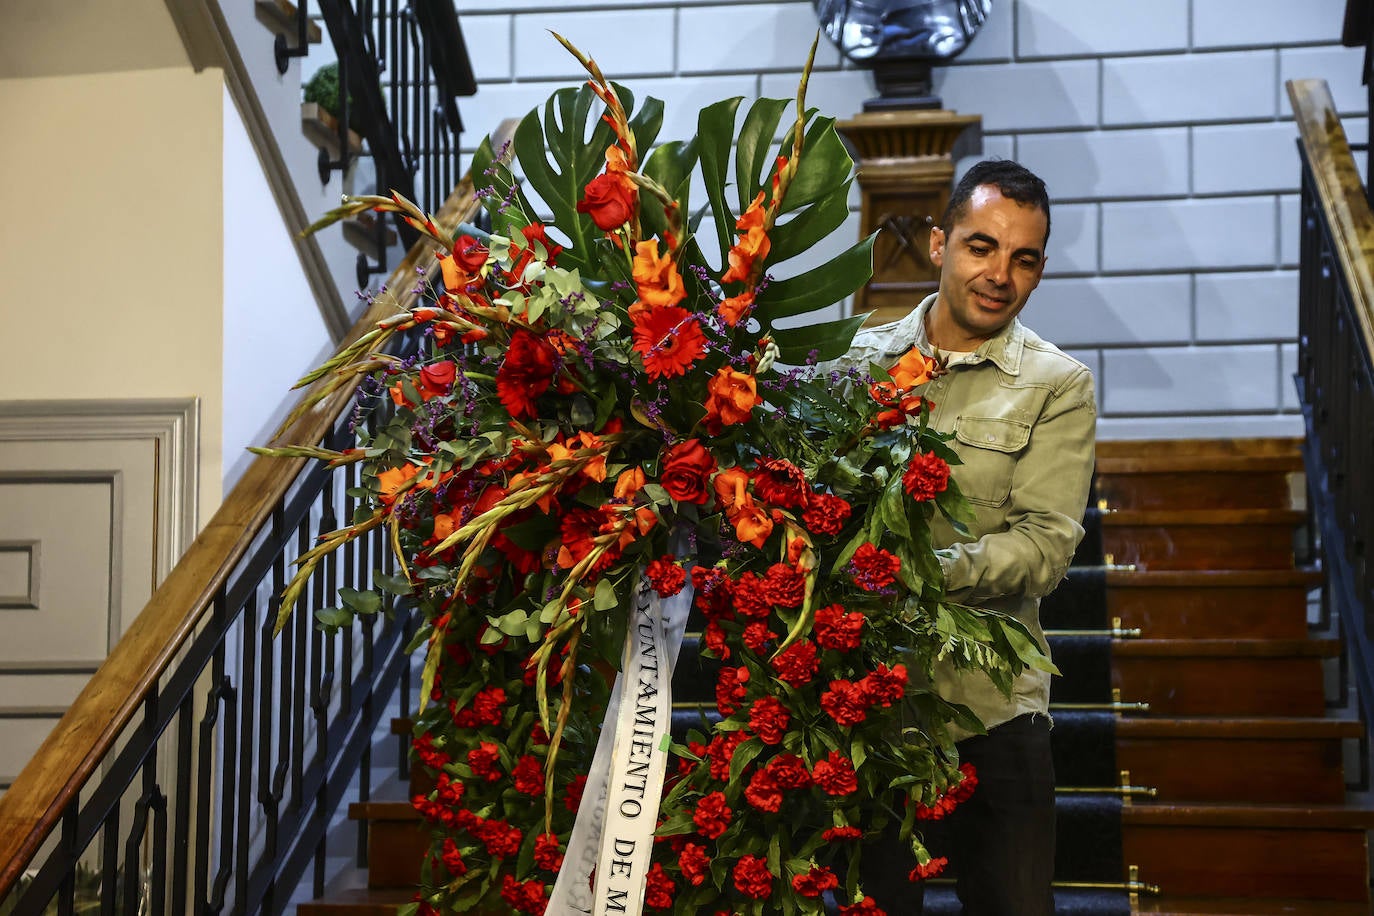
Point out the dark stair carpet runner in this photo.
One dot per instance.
(1089, 843)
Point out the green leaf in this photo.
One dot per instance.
(396, 585)
(715, 135)
(955, 508)
(892, 508)
(753, 146)
(605, 597)
(829, 340)
(646, 123)
(824, 167)
(810, 226)
(333, 618)
(360, 602)
(818, 287)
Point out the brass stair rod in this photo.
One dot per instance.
(1100, 707)
(1123, 791)
(1114, 632)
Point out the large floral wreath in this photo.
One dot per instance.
(598, 407)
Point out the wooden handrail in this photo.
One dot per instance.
(1341, 194)
(53, 779)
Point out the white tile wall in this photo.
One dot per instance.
(1163, 131)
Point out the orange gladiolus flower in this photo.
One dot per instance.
(444, 525)
(392, 480)
(733, 309)
(732, 397)
(730, 487)
(752, 524)
(753, 244)
(656, 277)
(914, 368)
(629, 483)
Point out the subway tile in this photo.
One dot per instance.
(1234, 158)
(838, 94)
(1288, 367)
(997, 147)
(1184, 234)
(1114, 311)
(1073, 239)
(766, 36)
(1066, 28)
(1114, 163)
(994, 40)
(488, 40)
(1182, 380)
(1188, 87)
(1093, 360)
(1204, 426)
(1232, 23)
(1247, 306)
(1290, 229)
(1340, 67)
(1023, 96)
(601, 36)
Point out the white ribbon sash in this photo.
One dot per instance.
(615, 824)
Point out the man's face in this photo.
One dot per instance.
(989, 263)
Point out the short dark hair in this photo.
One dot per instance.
(1015, 181)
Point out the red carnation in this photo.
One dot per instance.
(865, 907)
(873, 568)
(826, 514)
(836, 629)
(789, 771)
(484, 759)
(928, 870)
(714, 637)
(525, 373)
(815, 882)
(926, 476)
(547, 853)
(485, 709)
(769, 718)
(835, 774)
(796, 664)
(752, 877)
(842, 834)
(659, 889)
(453, 858)
(713, 592)
(763, 792)
(731, 689)
(712, 815)
(501, 839)
(756, 635)
(885, 686)
(721, 750)
(665, 576)
(687, 470)
(785, 585)
(694, 863)
(751, 596)
(845, 702)
(780, 483)
(572, 795)
(528, 776)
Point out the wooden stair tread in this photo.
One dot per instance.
(1121, 518)
(1126, 448)
(359, 901)
(1227, 648)
(1239, 727)
(1263, 816)
(1198, 464)
(382, 811)
(1239, 906)
(1213, 578)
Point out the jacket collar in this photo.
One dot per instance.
(1005, 350)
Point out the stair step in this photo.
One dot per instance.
(1244, 851)
(1232, 906)
(397, 842)
(322, 129)
(362, 901)
(1178, 482)
(280, 17)
(1218, 677)
(1200, 539)
(1206, 603)
(1287, 446)
(1291, 760)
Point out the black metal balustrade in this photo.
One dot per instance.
(220, 797)
(1335, 374)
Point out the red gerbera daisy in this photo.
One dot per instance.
(669, 339)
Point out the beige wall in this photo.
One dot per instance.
(111, 245)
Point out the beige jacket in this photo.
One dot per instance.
(1023, 414)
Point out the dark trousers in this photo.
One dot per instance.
(1000, 841)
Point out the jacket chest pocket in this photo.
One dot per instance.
(988, 447)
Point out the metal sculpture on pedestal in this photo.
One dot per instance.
(903, 139)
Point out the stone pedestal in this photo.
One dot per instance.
(905, 174)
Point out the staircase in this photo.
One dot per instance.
(1221, 704)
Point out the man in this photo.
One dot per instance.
(1023, 417)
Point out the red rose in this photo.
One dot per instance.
(785, 585)
(436, 379)
(658, 889)
(694, 863)
(608, 201)
(470, 254)
(712, 815)
(865, 907)
(731, 689)
(781, 483)
(873, 568)
(528, 776)
(926, 476)
(547, 853)
(796, 664)
(666, 577)
(525, 373)
(687, 470)
(826, 514)
(835, 774)
(815, 882)
(752, 877)
(789, 771)
(845, 702)
(769, 718)
(763, 792)
(836, 629)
